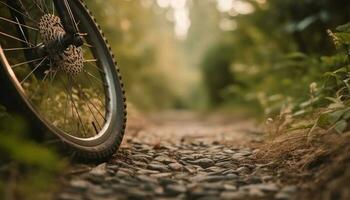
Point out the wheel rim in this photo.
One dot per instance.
(75, 106)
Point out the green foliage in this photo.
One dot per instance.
(216, 72)
(337, 119)
(27, 169)
(277, 55)
(278, 59)
(284, 61)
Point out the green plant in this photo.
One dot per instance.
(27, 169)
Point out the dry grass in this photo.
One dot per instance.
(319, 163)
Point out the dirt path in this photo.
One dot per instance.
(181, 156)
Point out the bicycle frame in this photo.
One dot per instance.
(66, 15)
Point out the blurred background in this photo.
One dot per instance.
(200, 54)
(266, 58)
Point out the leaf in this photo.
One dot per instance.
(347, 114)
(299, 112)
(340, 126)
(296, 55)
(332, 99)
(308, 102)
(306, 22)
(344, 28)
(329, 74)
(336, 103)
(2, 111)
(333, 75)
(342, 70)
(323, 121)
(336, 116)
(344, 37)
(327, 119)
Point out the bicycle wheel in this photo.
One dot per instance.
(76, 95)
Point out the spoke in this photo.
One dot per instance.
(93, 115)
(71, 107)
(43, 2)
(73, 113)
(42, 82)
(19, 48)
(87, 99)
(36, 38)
(95, 66)
(69, 89)
(67, 102)
(98, 110)
(95, 78)
(37, 5)
(99, 82)
(32, 6)
(65, 111)
(15, 38)
(82, 34)
(25, 10)
(19, 12)
(27, 62)
(96, 130)
(52, 77)
(36, 67)
(103, 104)
(90, 82)
(71, 16)
(53, 8)
(23, 34)
(17, 23)
(88, 45)
(91, 60)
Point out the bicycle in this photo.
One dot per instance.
(57, 69)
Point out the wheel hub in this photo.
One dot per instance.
(71, 59)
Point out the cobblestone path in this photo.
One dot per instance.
(181, 156)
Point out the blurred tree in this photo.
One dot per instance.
(307, 21)
(277, 48)
(147, 51)
(204, 30)
(216, 71)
